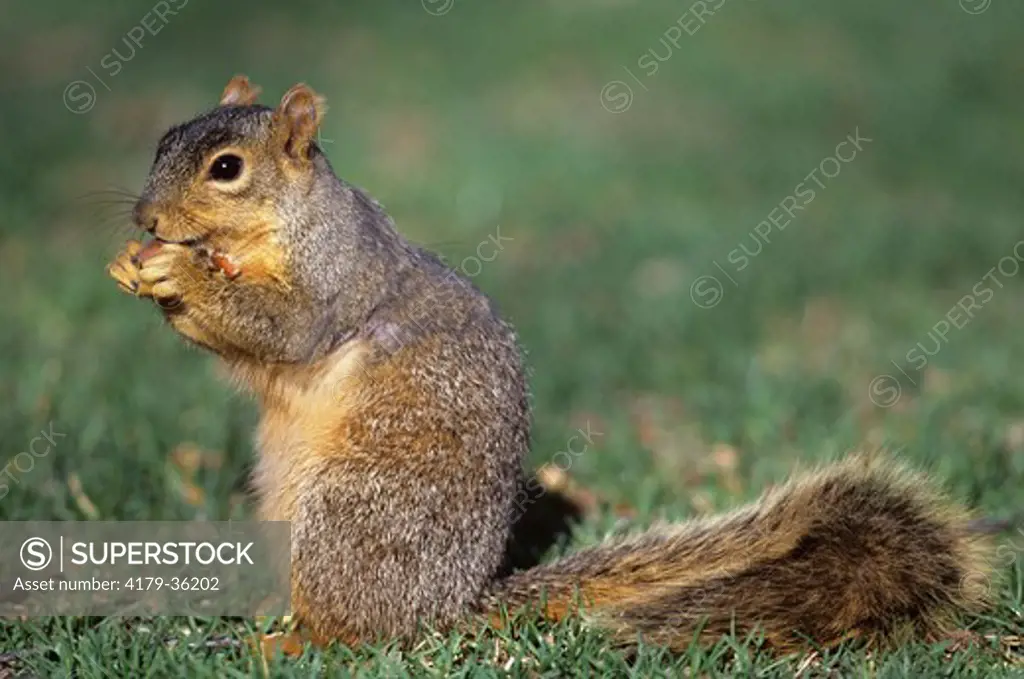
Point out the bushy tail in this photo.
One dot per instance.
(860, 549)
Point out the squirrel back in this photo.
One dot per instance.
(395, 420)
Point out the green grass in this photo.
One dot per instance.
(490, 117)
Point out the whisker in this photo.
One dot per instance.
(105, 204)
(114, 193)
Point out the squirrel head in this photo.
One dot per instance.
(236, 172)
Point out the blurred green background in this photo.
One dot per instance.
(622, 189)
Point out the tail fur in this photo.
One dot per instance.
(861, 549)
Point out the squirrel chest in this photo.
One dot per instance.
(301, 409)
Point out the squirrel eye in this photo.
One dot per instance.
(226, 167)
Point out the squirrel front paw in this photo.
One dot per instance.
(165, 272)
(125, 269)
(158, 270)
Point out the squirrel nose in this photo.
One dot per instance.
(144, 216)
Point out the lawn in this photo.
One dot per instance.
(676, 286)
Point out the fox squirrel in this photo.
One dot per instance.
(394, 423)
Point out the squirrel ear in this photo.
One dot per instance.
(298, 116)
(239, 92)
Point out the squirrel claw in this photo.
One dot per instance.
(124, 270)
(131, 288)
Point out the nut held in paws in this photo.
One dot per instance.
(147, 251)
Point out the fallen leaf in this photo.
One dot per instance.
(674, 439)
(556, 480)
(193, 495)
(552, 478)
(82, 501)
(726, 459)
(289, 644)
(937, 382)
(1014, 437)
(186, 460)
(701, 502)
(191, 458)
(962, 640)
